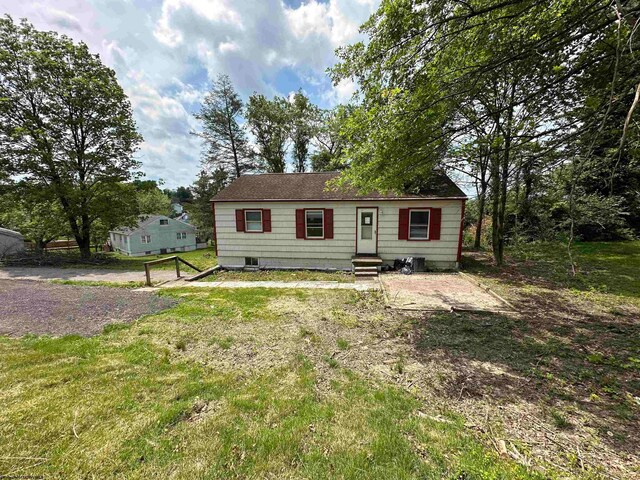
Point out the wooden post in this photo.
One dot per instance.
(177, 268)
(147, 272)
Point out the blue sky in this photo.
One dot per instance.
(165, 52)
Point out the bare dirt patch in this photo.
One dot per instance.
(44, 308)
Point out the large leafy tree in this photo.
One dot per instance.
(66, 126)
(520, 60)
(269, 121)
(226, 142)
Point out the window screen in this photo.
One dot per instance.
(419, 224)
(315, 223)
(253, 220)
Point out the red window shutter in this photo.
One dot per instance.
(266, 220)
(300, 223)
(239, 220)
(435, 219)
(403, 224)
(328, 223)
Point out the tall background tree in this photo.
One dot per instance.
(66, 126)
(303, 117)
(204, 189)
(151, 200)
(226, 141)
(327, 140)
(269, 122)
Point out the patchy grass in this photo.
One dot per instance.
(203, 259)
(280, 276)
(133, 402)
(603, 268)
(260, 383)
(98, 283)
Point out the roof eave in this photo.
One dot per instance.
(360, 199)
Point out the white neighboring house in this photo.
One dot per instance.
(10, 242)
(294, 220)
(154, 234)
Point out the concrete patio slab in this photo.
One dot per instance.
(438, 292)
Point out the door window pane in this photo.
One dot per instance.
(366, 225)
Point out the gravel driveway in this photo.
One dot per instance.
(82, 274)
(45, 308)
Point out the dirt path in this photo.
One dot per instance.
(45, 308)
(81, 274)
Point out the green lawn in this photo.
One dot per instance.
(203, 259)
(152, 400)
(281, 276)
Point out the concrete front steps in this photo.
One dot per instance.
(366, 267)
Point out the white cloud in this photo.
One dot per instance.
(165, 52)
(169, 31)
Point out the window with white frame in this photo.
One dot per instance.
(164, 221)
(419, 224)
(145, 238)
(184, 235)
(253, 220)
(314, 223)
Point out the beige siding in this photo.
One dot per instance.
(281, 248)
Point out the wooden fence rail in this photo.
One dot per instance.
(174, 258)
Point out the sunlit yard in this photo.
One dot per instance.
(259, 383)
(180, 394)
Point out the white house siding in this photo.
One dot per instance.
(163, 238)
(281, 248)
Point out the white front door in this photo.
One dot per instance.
(367, 231)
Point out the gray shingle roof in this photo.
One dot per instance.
(145, 220)
(313, 186)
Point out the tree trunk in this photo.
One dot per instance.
(84, 239)
(481, 201)
(495, 207)
(39, 245)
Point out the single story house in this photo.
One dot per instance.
(293, 220)
(11, 242)
(154, 234)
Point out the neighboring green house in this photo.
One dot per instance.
(154, 234)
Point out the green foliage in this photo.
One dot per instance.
(328, 140)
(270, 123)
(66, 126)
(153, 202)
(33, 213)
(505, 92)
(303, 115)
(204, 189)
